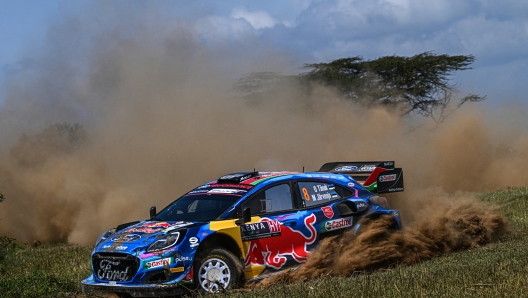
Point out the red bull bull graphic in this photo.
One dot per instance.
(272, 251)
(149, 227)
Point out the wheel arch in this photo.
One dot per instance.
(220, 240)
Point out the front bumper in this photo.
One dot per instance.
(152, 290)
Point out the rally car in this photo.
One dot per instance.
(240, 227)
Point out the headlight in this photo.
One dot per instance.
(165, 243)
(104, 236)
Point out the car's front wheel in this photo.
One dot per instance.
(217, 270)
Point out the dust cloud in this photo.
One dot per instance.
(159, 117)
(441, 228)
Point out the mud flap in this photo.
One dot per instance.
(390, 181)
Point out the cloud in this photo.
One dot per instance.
(257, 19)
(217, 28)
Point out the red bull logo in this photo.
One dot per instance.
(149, 227)
(272, 251)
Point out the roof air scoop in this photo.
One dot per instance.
(237, 177)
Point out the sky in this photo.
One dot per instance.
(307, 31)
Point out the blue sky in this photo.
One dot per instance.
(495, 32)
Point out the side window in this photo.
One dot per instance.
(273, 199)
(316, 193)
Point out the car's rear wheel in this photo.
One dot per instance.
(217, 271)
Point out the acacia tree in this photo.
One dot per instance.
(419, 84)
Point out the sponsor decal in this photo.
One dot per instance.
(107, 246)
(396, 189)
(386, 178)
(107, 272)
(149, 227)
(161, 224)
(177, 269)
(226, 191)
(282, 217)
(199, 191)
(182, 259)
(227, 185)
(328, 211)
(126, 238)
(193, 242)
(177, 225)
(350, 184)
(272, 253)
(367, 168)
(144, 230)
(189, 276)
(337, 224)
(259, 230)
(158, 263)
(388, 163)
(360, 206)
(121, 247)
(266, 176)
(346, 169)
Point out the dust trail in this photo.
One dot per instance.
(155, 104)
(444, 228)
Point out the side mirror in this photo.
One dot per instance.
(246, 216)
(152, 211)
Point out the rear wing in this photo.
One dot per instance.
(376, 176)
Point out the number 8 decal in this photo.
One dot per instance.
(305, 193)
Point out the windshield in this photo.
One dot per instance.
(198, 207)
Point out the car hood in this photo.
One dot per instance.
(139, 236)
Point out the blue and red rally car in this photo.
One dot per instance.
(241, 227)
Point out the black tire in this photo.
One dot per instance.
(217, 270)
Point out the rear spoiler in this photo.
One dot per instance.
(376, 176)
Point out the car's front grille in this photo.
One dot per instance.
(114, 266)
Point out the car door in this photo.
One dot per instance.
(281, 234)
(319, 197)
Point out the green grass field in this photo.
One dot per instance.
(497, 270)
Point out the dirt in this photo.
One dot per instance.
(444, 229)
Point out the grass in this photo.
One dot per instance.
(51, 270)
(497, 270)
